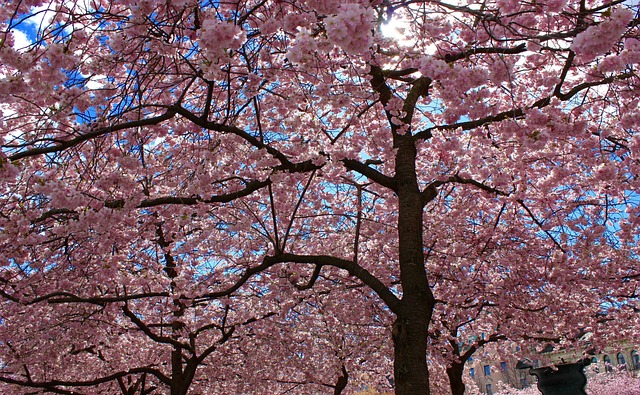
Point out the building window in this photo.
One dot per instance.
(472, 372)
(487, 370)
(489, 389)
(503, 366)
(635, 360)
(607, 364)
(622, 363)
(594, 362)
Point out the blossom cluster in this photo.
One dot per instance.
(434, 68)
(218, 38)
(598, 39)
(304, 48)
(351, 29)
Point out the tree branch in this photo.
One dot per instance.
(67, 297)
(372, 174)
(147, 331)
(353, 268)
(251, 186)
(537, 222)
(286, 164)
(52, 384)
(312, 281)
(170, 113)
(520, 112)
(452, 57)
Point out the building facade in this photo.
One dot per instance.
(491, 370)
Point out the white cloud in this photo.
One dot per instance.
(20, 40)
(41, 16)
(96, 82)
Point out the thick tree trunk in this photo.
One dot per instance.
(410, 362)
(411, 327)
(180, 378)
(341, 383)
(177, 384)
(454, 372)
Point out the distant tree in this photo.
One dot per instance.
(177, 176)
(486, 307)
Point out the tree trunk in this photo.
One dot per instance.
(177, 383)
(341, 383)
(455, 372)
(410, 329)
(410, 357)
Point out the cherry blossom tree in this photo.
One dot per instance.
(181, 178)
(487, 308)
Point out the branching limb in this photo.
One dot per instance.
(295, 211)
(392, 301)
(540, 225)
(518, 113)
(452, 57)
(353, 268)
(251, 186)
(312, 281)
(52, 385)
(67, 297)
(147, 331)
(370, 173)
(286, 164)
(430, 191)
(170, 113)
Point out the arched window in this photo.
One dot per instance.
(607, 364)
(594, 364)
(622, 362)
(635, 360)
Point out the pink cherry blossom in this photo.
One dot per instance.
(351, 28)
(600, 38)
(276, 197)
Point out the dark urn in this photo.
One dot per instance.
(565, 379)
